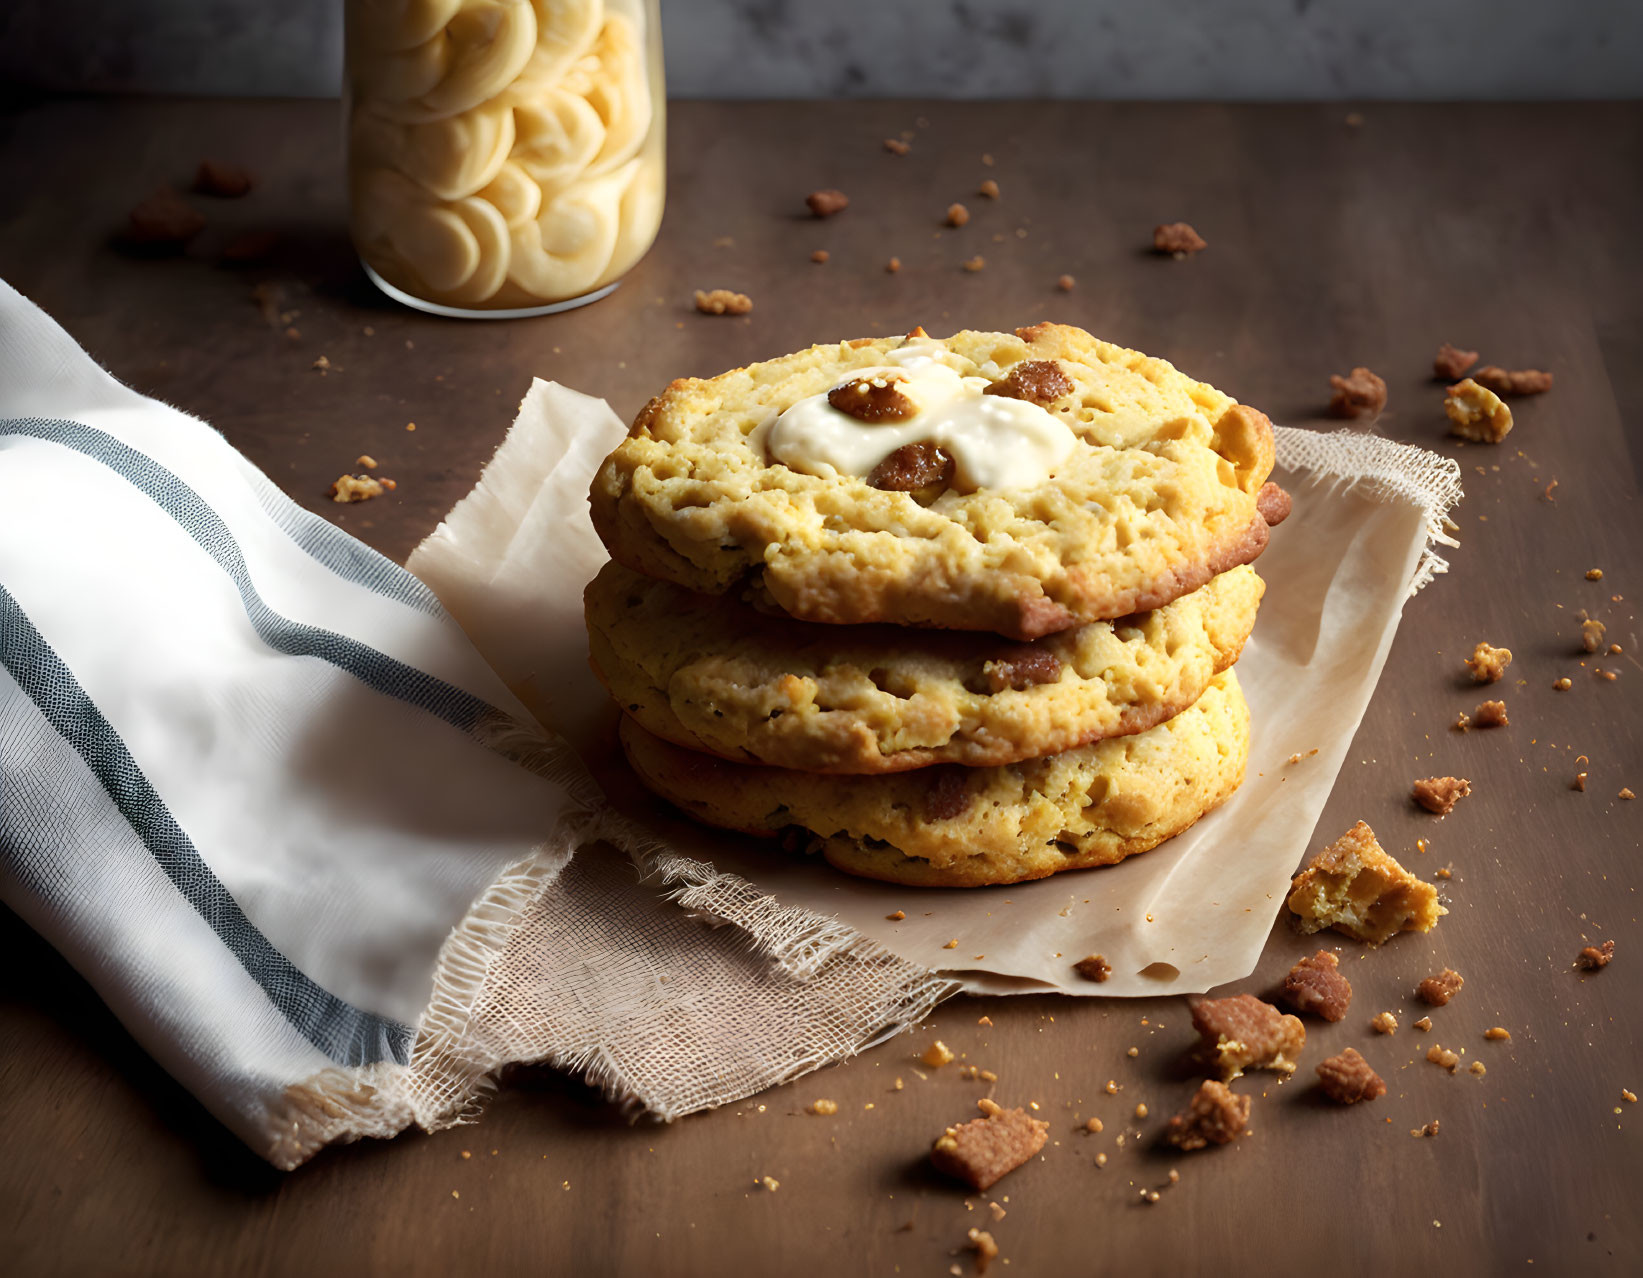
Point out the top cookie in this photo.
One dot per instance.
(1022, 484)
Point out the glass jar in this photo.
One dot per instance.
(505, 157)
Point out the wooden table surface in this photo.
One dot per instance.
(1510, 229)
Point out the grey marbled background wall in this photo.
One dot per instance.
(1218, 49)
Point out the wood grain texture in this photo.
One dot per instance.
(1511, 230)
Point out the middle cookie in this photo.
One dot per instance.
(715, 675)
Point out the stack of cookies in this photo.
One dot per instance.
(951, 613)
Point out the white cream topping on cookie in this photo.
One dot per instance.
(994, 441)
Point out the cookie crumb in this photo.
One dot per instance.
(984, 1150)
(1591, 634)
(1627, 1095)
(820, 257)
(1440, 794)
(896, 146)
(1214, 1116)
(227, 181)
(981, 1242)
(163, 221)
(1491, 714)
(1487, 662)
(1562, 685)
(1178, 239)
(365, 461)
(1424, 1024)
(1066, 283)
(1517, 381)
(897, 917)
(1579, 783)
(957, 215)
(352, 488)
(322, 365)
(1476, 413)
(989, 189)
(976, 263)
(1498, 1033)
(826, 202)
(892, 266)
(1626, 793)
(936, 1055)
(984, 1020)
(1384, 1023)
(1478, 1068)
(1359, 392)
(1594, 574)
(1431, 1129)
(951, 945)
(723, 301)
(1093, 968)
(822, 1107)
(1347, 1078)
(1463, 722)
(1317, 985)
(1093, 1125)
(1452, 362)
(1330, 891)
(769, 1182)
(1437, 990)
(1242, 1032)
(1440, 1055)
(1595, 956)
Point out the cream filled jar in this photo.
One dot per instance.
(505, 157)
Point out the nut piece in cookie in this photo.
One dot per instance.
(1348, 1078)
(1595, 956)
(1477, 413)
(1038, 381)
(1440, 794)
(1354, 887)
(1359, 392)
(1517, 381)
(1438, 990)
(1242, 1033)
(1021, 668)
(1178, 239)
(1488, 663)
(1452, 362)
(1317, 985)
(913, 468)
(872, 399)
(1214, 1116)
(984, 1150)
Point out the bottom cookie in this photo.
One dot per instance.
(950, 826)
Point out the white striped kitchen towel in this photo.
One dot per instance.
(263, 793)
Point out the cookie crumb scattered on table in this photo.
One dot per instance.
(1348, 1078)
(1359, 393)
(1178, 239)
(1595, 956)
(1451, 362)
(976, 263)
(1498, 1033)
(1093, 968)
(723, 301)
(1517, 381)
(896, 146)
(1384, 1023)
(1476, 413)
(1440, 1055)
(826, 202)
(936, 1055)
(1436, 991)
(989, 189)
(957, 215)
(984, 1150)
(227, 181)
(1330, 892)
(1487, 662)
(1491, 714)
(1242, 1032)
(1066, 283)
(352, 488)
(1317, 985)
(1214, 1116)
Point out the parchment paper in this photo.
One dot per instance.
(1183, 918)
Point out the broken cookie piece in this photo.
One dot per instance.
(1355, 887)
(1348, 1078)
(1491, 714)
(1215, 1115)
(1178, 239)
(723, 301)
(1242, 1033)
(1317, 985)
(1438, 990)
(1452, 362)
(352, 488)
(1591, 634)
(1487, 663)
(1516, 381)
(1476, 413)
(984, 1150)
(1440, 794)
(1356, 394)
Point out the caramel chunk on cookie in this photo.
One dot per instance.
(1355, 887)
(1039, 381)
